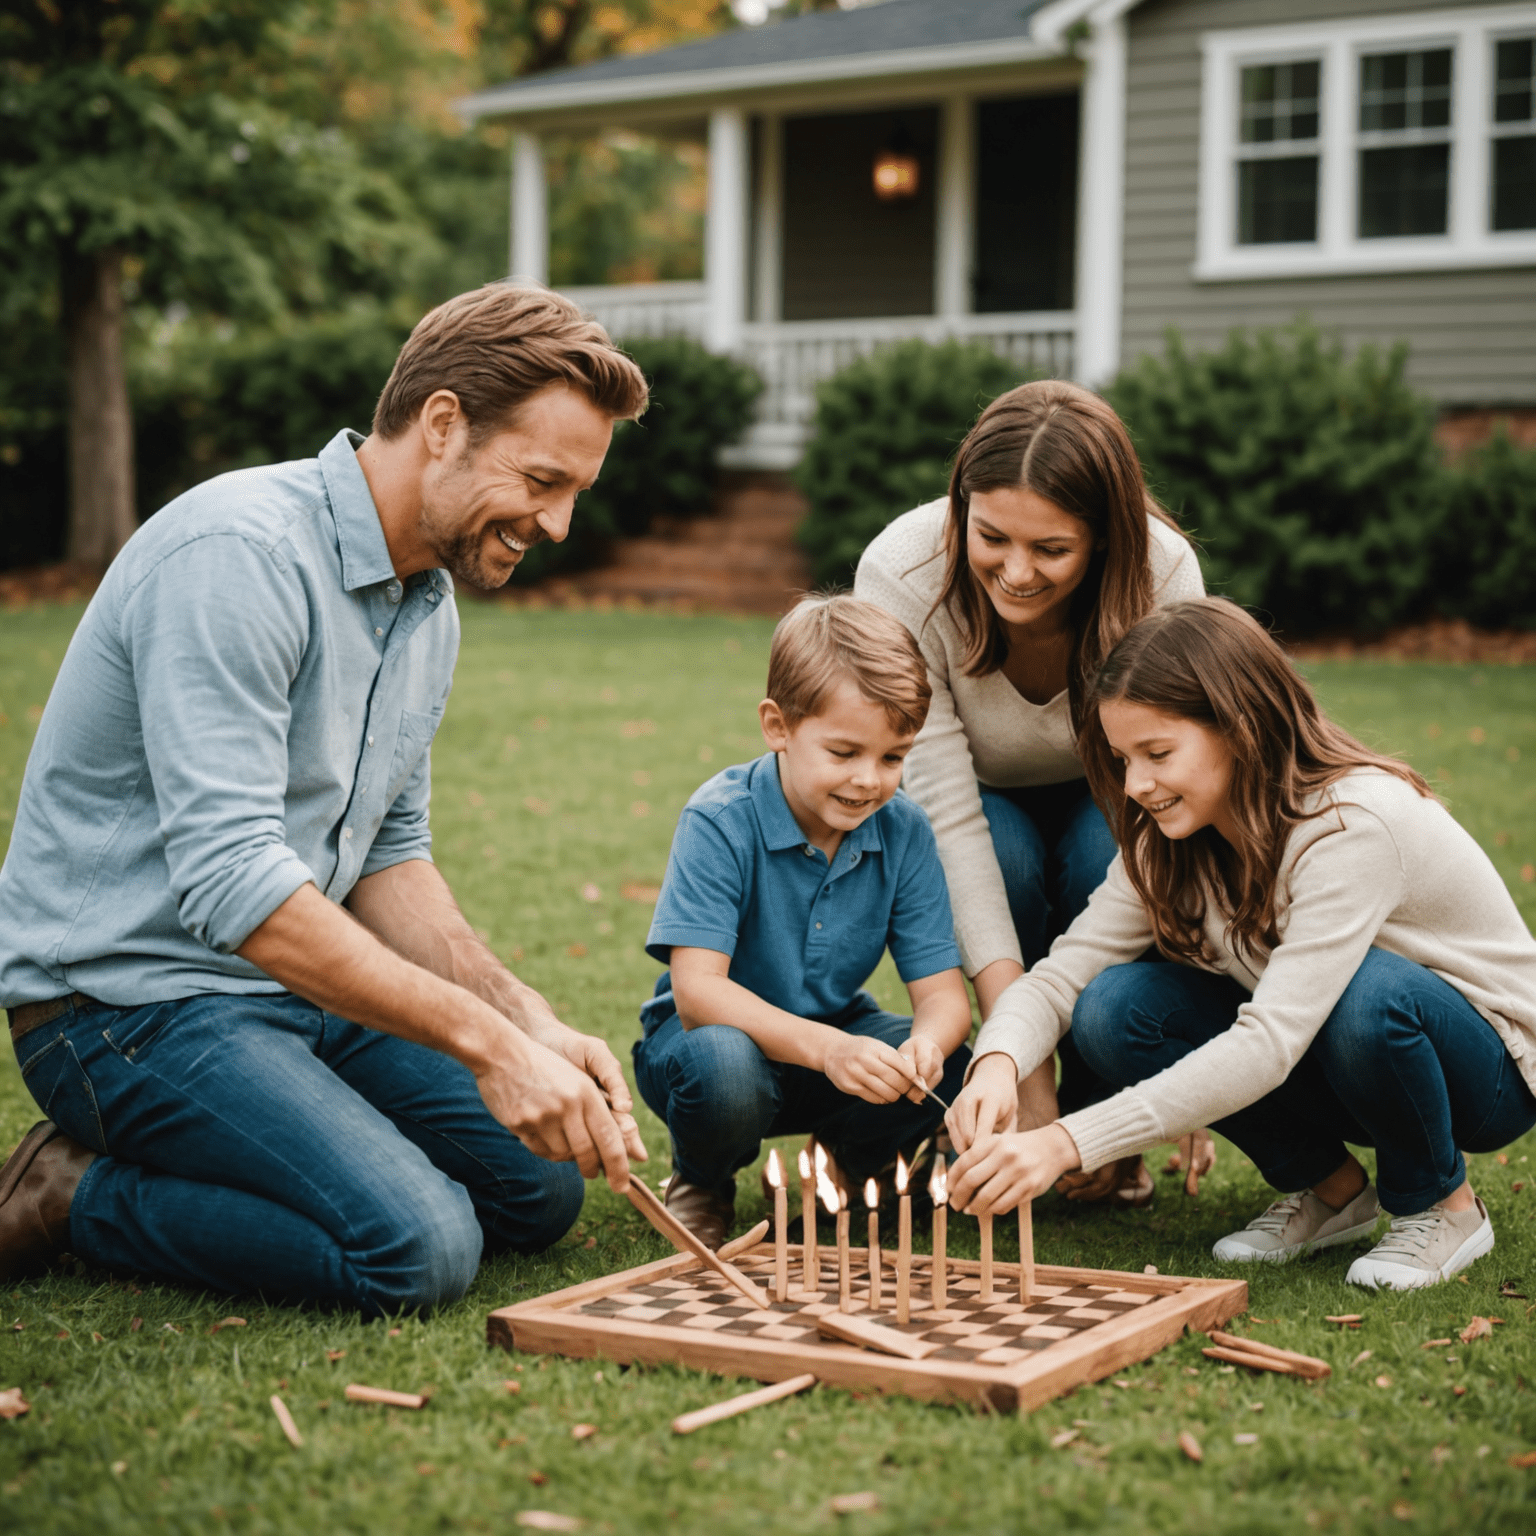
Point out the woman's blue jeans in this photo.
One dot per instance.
(1054, 849)
(260, 1144)
(721, 1097)
(1404, 1063)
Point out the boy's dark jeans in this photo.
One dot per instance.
(1404, 1063)
(721, 1097)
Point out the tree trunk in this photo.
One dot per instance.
(101, 511)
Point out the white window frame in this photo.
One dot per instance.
(1468, 242)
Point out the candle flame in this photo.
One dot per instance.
(775, 1170)
(938, 1183)
(821, 1159)
(805, 1164)
(902, 1174)
(871, 1194)
(829, 1192)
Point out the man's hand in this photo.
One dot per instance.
(868, 1068)
(593, 1059)
(926, 1063)
(998, 1173)
(987, 1104)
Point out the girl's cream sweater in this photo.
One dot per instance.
(1382, 867)
(981, 728)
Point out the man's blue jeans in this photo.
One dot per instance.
(261, 1144)
(721, 1097)
(1054, 848)
(1404, 1063)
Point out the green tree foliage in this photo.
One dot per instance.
(1310, 478)
(886, 429)
(1486, 566)
(663, 463)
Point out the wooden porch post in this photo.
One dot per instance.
(1101, 197)
(725, 230)
(767, 304)
(530, 209)
(956, 203)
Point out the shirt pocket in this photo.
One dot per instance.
(417, 728)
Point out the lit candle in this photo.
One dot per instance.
(903, 1242)
(810, 1264)
(836, 1201)
(985, 1222)
(780, 1221)
(872, 1203)
(938, 1187)
(1026, 1250)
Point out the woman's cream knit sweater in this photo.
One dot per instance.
(1383, 867)
(981, 728)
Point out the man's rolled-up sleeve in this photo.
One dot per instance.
(215, 635)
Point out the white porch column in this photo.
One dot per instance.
(954, 245)
(1101, 198)
(725, 230)
(530, 209)
(767, 301)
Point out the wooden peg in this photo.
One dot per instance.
(686, 1423)
(985, 1222)
(384, 1397)
(747, 1240)
(645, 1200)
(859, 1330)
(1026, 1251)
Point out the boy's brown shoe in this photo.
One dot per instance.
(37, 1184)
(707, 1215)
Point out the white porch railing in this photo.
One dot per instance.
(794, 356)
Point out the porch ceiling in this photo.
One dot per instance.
(878, 43)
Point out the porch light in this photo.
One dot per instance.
(896, 175)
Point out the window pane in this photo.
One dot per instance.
(1514, 88)
(1403, 190)
(1405, 90)
(1276, 200)
(1279, 102)
(1514, 183)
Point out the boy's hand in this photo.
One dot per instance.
(927, 1063)
(987, 1104)
(869, 1069)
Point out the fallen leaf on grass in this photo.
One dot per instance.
(591, 1242)
(635, 890)
(1245, 1439)
(1064, 1437)
(1435, 1344)
(1478, 1328)
(1383, 1381)
(1458, 1391)
(583, 1431)
(547, 1520)
(1503, 1159)
(425, 1469)
(135, 1325)
(1402, 1510)
(1190, 1446)
(1361, 1358)
(12, 1403)
(1507, 1288)
(333, 1355)
(538, 1479)
(97, 1338)
(1440, 1455)
(1523, 1459)
(514, 1387)
(169, 1328)
(852, 1503)
(118, 1468)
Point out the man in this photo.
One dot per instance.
(273, 1054)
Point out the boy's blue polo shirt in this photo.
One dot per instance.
(801, 935)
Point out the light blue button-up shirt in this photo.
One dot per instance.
(247, 705)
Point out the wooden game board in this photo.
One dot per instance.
(1080, 1325)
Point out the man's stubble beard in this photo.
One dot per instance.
(461, 552)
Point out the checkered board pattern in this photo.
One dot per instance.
(997, 1332)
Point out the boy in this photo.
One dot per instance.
(788, 878)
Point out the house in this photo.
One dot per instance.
(1065, 179)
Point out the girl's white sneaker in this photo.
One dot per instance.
(1299, 1224)
(1425, 1249)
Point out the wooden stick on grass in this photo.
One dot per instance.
(644, 1200)
(1304, 1365)
(285, 1421)
(384, 1396)
(686, 1423)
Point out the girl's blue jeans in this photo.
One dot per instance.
(1054, 849)
(1404, 1063)
(260, 1144)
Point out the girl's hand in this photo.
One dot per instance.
(1196, 1155)
(868, 1069)
(927, 1062)
(988, 1103)
(999, 1173)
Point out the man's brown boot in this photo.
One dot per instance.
(703, 1212)
(37, 1185)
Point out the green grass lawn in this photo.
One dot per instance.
(571, 742)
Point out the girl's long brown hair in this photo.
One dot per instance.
(1066, 444)
(1208, 661)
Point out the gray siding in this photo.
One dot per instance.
(1472, 333)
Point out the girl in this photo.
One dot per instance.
(1346, 966)
(1047, 549)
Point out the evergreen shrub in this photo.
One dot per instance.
(1310, 479)
(885, 431)
(1486, 570)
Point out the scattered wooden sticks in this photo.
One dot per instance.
(285, 1421)
(744, 1242)
(686, 1423)
(384, 1396)
(1265, 1357)
(889, 1341)
(644, 1200)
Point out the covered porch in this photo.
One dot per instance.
(963, 185)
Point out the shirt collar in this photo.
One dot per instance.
(777, 821)
(364, 555)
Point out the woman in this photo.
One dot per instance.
(1047, 549)
(1346, 966)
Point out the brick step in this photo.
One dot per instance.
(739, 596)
(754, 561)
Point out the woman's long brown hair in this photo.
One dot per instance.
(1208, 661)
(1066, 444)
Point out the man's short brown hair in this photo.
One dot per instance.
(495, 347)
(826, 638)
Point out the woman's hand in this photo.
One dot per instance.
(988, 1103)
(1196, 1155)
(927, 1063)
(999, 1173)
